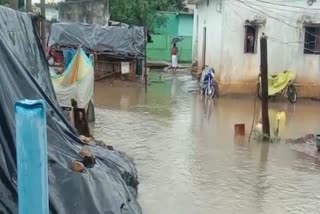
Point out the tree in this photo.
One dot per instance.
(143, 12)
(3, 2)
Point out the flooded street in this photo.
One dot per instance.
(188, 160)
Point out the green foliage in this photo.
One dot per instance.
(143, 12)
(259, 137)
(2, 2)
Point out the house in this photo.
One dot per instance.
(84, 11)
(227, 34)
(178, 24)
(52, 13)
(116, 49)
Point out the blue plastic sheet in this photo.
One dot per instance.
(68, 55)
(31, 143)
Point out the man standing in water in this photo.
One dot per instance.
(174, 58)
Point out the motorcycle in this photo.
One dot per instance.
(280, 84)
(207, 83)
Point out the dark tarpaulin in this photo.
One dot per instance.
(108, 188)
(115, 40)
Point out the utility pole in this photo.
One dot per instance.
(264, 86)
(28, 6)
(145, 59)
(91, 12)
(43, 23)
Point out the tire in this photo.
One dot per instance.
(292, 93)
(259, 92)
(51, 61)
(212, 90)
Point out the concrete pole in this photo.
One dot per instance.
(264, 87)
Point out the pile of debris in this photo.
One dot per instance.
(306, 145)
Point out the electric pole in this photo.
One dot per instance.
(28, 6)
(91, 12)
(145, 59)
(264, 86)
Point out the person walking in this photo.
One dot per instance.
(174, 58)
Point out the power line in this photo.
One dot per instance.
(275, 7)
(254, 10)
(274, 39)
(286, 5)
(288, 44)
(278, 3)
(277, 19)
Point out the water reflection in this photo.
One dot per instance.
(186, 157)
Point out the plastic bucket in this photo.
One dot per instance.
(318, 141)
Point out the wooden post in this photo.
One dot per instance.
(32, 164)
(43, 24)
(91, 12)
(264, 87)
(28, 6)
(80, 119)
(145, 60)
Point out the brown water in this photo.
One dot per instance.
(188, 161)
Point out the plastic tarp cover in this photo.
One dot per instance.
(115, 40)
(279, 82)
(76, 82)
(68, 55)
(110, 187)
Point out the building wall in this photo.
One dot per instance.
(171, 25)
(177, 25)
(52, 14)
(211, 20)
(225, 48)
(185, 27)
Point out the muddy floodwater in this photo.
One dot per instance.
(188, 160)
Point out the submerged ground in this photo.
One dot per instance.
(188, 160)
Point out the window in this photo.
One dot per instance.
(250, 40)
(312, 40)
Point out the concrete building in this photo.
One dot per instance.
(227, 32)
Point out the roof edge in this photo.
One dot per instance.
(195, 2)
